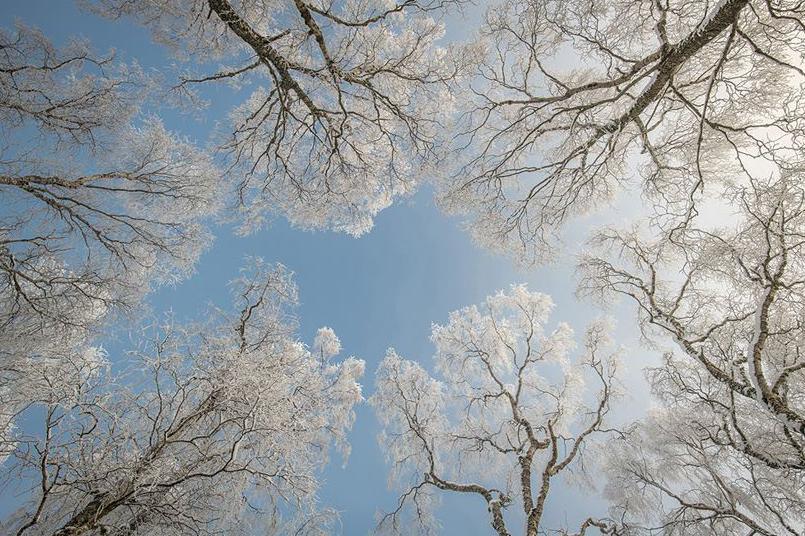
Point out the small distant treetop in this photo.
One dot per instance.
(507, 416)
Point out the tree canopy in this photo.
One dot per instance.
(522, 118)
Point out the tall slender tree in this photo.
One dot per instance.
(214, 428)
(723, 452)
(99, 203)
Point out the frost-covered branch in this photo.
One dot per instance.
(98, 205)
(347, 102)
(199, 434)
(509, 415)
(727, 444)
(574, 99)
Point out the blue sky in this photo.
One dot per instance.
(378, 291)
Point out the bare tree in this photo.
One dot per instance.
(97, 205)
(219, 428)
(725, 452)
(576, 98)
(348, 102)
(510, 417)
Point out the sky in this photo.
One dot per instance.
(381, 290)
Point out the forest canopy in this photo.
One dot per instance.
(638, 162)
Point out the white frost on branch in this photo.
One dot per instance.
(220, 427)
(510, 410)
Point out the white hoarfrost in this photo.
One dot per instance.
(221, 427)
(508, 410)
